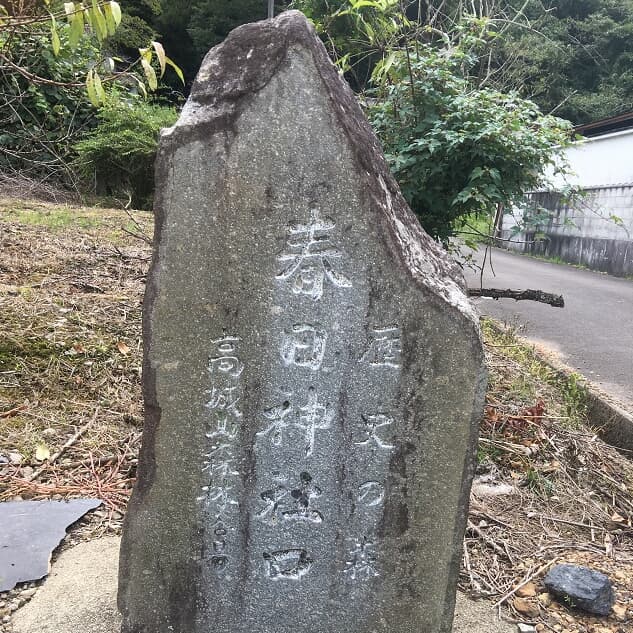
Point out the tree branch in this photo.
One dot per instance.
(556, 301)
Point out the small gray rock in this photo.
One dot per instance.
(581, 588)
(526, 628)
(16, 458)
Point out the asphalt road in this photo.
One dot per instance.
(593, 333)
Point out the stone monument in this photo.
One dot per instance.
(313, 374)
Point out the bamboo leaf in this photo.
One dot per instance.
(160, 53)
(90, 87)
(109, 19)
(76, 28)
(116, 12)
(55, 36)
(150, 74)
(176, 68)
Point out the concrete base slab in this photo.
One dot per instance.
(80, 595)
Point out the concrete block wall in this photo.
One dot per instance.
(583, 233)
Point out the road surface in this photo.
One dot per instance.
(593, 333)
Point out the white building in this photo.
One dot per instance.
(596, 230)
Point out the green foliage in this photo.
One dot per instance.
(340, 32)
(212, 20)
(39, 121)
(457, 149)
(53, 66)
(576, 58)
(133, 33)
(118, 154)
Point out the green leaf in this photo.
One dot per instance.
(176, 69)
(97, 21)
(116, 12)
(55, 36)
(90, 87)
(150, 74)
(358, 4)
(76, 28)
(160, 53)
(100, 92)
(109, 19)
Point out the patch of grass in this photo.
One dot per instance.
(35, 350)
(555, 259)
(476, 229)
(104, 224)
(524, 385)
(538, 483)
(54, 218)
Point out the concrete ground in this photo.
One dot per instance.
(79, 596)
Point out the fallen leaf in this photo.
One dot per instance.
(123, 348)
(527, 591)
(525, 607)
(42, 452)
(619, 611)
(78, 348)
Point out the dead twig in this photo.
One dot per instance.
(556, 301)
(36, 473)
(13, 412)
(524, 582)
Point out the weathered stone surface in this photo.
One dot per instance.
(581, 588)
(30, 531)
(313, 372)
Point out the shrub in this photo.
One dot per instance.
(39, 122)
(117, 156)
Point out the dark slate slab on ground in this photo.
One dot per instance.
(313, 372)
(30, 531)
(582, 588)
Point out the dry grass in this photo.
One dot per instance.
(70, 290)
(71, 282)
(548, 491)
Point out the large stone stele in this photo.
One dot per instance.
(313, 371)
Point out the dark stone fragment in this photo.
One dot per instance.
(30, 531)
(581, 588)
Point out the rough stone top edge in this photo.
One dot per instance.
(245, 63)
